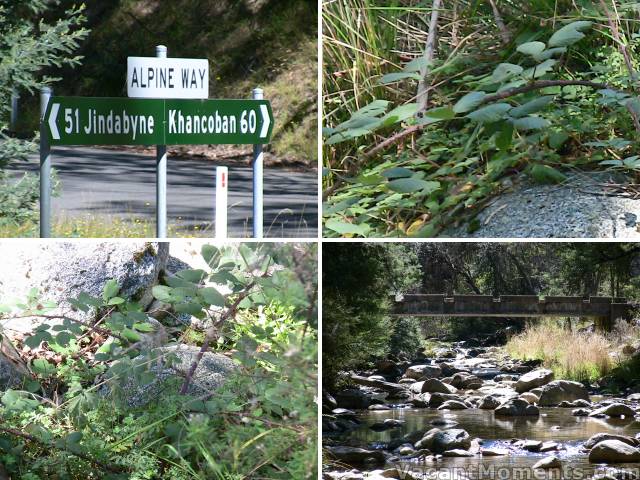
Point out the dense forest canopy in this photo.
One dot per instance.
(431, 108)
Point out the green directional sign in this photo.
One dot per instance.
(150, 121)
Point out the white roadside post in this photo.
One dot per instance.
(45, 167)
(257, 179)
(161, 175)
(222, 189)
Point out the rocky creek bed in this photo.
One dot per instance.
(477, 414)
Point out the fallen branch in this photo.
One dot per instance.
(212, 334)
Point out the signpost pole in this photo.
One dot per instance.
(45, 167)
(257, 179)
(222, 187)
(161, 175)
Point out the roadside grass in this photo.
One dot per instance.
(111, 226)
(571, 355)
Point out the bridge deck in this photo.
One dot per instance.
(440, 305)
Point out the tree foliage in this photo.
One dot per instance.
(358, 280)
(29, 45)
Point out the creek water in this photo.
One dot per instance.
(553, 424)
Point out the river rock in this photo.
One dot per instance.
(354, 455)
(614, 410)
(533, 379)
(379, 407)
(601, 437)
(453, 405)
(437, 399)
(548, 463)
(457, 452)
(634, 397)
(353, 398)
(328, 402)
(377, 378)
(614, 451)
(494, 452)
(580, 412)
(548, 447)
(530, 397)
(433, 385)
(63, 270)
(387, 424)
(439, 441)
(516, 407)
(12, 369)
(488, 402)
(530, 445)
(423, 372)
(555, 392)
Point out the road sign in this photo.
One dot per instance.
(145, 121)
(153, 77)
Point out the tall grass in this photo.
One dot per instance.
(571, 355)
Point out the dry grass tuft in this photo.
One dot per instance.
(571, 355)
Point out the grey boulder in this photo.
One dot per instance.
(614, 451)
(560, 390)
(533, 379)
(516, 407)
(439, 441)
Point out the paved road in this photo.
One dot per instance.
(107, 182)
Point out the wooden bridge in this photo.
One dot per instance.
(604, 309)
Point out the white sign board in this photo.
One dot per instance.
(152, 77)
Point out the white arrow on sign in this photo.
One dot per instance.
(52, 121)
(266, 121)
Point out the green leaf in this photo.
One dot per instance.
(531, 48)
(130, 335)
(531, 123)
(540, 70)
(73, 437)
(143, 327)
(115, 301)
(557, 139)
(398, 172)
(396, 77)
(546, 174)
(111, 289)
(193, 276)
(211, 296)
(490, 113)
(210, 254)
(504, 72)
(42, 367)
(400, 114)
(440, 113)
(410, 185)
(533, 106)
(569, 34)
(63, 338)
(547, 54)
(162, 293)
(416, 65)
(349, 135)
(346, 228)
(191, 308)
(469, 102)
(505, 137)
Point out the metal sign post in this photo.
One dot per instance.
(222, 189)
(257, 178)
(161, 175)
(45, 167)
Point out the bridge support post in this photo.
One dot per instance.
(603, 324)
